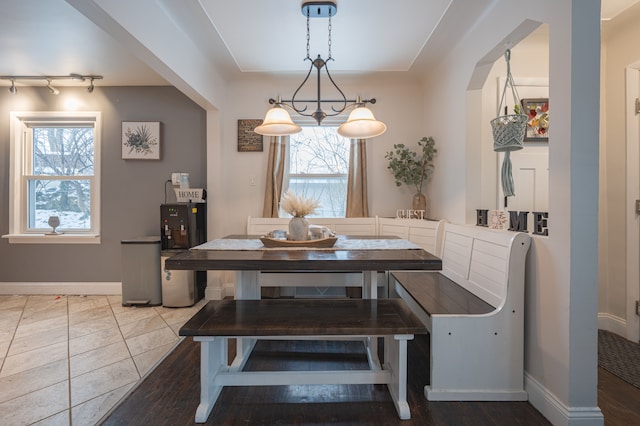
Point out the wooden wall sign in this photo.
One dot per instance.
(248, 140)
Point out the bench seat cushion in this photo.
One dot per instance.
(437, 294)
(303, 317)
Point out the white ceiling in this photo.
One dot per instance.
(367, 35)
(51, 37)
(611, 8)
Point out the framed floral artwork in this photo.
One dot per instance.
(140, 140)
(538, 122)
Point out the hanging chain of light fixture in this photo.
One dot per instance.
(361, 122)
(318, 63)
(49, 79)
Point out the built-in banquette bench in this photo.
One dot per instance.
(220, 320)
(474, 311)
(424, 233)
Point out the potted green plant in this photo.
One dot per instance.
(413, 168)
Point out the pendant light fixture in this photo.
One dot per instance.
(277, 122)
(361, 123)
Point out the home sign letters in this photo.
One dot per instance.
(518, 221)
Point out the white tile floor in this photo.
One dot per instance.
(69, 359)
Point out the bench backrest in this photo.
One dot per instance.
(484, 261)
(342, 226)
(424, 233)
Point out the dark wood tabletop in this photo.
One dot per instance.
(305, 260)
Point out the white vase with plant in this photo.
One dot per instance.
(413, 168)
(298, 207)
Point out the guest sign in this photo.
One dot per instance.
(518, 221)
(410, 214)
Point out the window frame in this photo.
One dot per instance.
(20, 152)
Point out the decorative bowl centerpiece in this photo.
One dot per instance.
(317, 243)
(299, 234)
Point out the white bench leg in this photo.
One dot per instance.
(213, 360)
(396, 361)
(247, 288)
(370, 291)
(247, 285)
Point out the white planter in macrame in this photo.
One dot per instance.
(508, 132)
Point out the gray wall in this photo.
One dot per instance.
(132, 190)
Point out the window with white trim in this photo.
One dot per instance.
(55, 171)
(318, 168)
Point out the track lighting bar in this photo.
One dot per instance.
(49, 79)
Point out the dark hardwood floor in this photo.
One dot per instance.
(170, 395)
(618, 400)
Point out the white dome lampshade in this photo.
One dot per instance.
(277, 122)
(362, 125)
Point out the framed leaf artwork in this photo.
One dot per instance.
(140, 140)
(538, 122)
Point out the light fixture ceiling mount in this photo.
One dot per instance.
(319, 9)
(277, 122)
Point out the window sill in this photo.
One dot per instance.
(53, 239)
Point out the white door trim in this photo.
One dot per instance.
(633, 193)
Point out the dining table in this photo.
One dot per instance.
(251, 259)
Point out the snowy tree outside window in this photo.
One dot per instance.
(63, 159)
(318, 169)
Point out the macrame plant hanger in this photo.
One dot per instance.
(508, 131)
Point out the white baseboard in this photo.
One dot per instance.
(84, 288)
(557, 412)
(612, 323)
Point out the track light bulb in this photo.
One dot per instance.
(90, 88)
(13, 89)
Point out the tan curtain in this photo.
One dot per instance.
(275, 175)
(357, 200)
(273, 190)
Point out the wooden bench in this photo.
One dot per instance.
(474, 311)
(218, 321)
